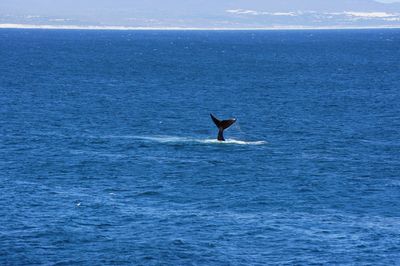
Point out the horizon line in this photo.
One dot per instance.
(170, 28)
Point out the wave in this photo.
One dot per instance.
(175, 139)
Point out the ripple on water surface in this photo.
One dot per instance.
(108, 156)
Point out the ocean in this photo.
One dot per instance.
(108, 155)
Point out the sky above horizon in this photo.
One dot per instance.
(202, 13)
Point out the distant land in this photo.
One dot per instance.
(122, 28)
(196, 14)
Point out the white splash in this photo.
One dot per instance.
(175, 139)
(233, 141)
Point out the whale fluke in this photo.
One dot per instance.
(222, 125)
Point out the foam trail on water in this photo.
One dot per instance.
(175, 139)
(233, 141)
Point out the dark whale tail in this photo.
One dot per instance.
(222, 125)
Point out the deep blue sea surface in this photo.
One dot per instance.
(108, 157)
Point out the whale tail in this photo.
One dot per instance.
(222, 125)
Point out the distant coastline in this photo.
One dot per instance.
(122, 28)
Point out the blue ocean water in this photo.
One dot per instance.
(108, 157)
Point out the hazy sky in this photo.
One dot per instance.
(202, 13)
